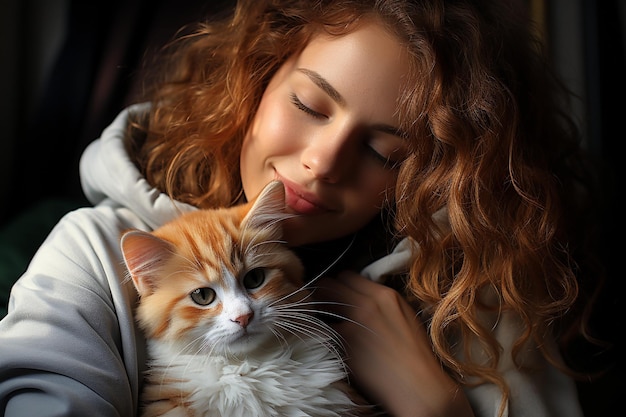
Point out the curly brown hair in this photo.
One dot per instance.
(490, 142)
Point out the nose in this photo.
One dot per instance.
(244, 319)
(327, 157)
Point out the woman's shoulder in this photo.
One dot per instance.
(90, 229)
(74, 298)
(110, 178)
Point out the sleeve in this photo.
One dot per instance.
(68, 342)
(537, 390)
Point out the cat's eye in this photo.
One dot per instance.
(203, 296)
(254, 278)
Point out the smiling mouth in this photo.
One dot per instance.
(301, 205)
(299, 200)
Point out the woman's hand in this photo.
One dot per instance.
(388, 351)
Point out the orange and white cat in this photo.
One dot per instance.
(230, 325)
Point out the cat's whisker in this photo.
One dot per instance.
(333, 263)
(192, 264)
(304, 317)
(280, 337)
(269, 223)
(292, 306)
(128, 277)
(253, 245)
(315, 324)
(211, 352)
(322, 339)
(299, 335)
(298, 328)
(321, 274)
(280, 300)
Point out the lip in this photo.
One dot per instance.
(300, 200)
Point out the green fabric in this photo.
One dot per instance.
(20, 239)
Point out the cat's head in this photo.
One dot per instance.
(211, 280)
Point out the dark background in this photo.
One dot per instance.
(67, 67)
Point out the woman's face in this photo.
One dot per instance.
(327, 128)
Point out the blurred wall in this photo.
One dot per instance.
(31, 33)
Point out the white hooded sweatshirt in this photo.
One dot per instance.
(69, 345)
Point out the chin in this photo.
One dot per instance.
(244, 342)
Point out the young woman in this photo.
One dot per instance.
(429, 124)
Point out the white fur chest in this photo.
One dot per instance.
(301, 379)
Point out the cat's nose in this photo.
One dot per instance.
(244, 319)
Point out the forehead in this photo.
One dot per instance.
(368, 63)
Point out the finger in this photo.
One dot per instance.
(338, 300)
(373, 295)
(358, 283)
(347, 284)
(329, 290)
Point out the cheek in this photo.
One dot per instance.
(271, 136)
(275, 129)
(378, 186)
(374, 193)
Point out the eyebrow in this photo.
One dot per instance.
(390, 130)
(319, 81)
(325, 86)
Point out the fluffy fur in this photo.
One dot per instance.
(231, 329)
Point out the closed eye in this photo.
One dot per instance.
(378, 157)
(301, 106)
(387, 162)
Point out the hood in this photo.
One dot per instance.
(107, 173)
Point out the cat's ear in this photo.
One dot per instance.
(144, 255)
(268, 208)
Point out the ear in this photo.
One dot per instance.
(144, 256)
(268, 209)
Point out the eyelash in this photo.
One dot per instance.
(384, 161)
(300, 106)
(378, 157)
